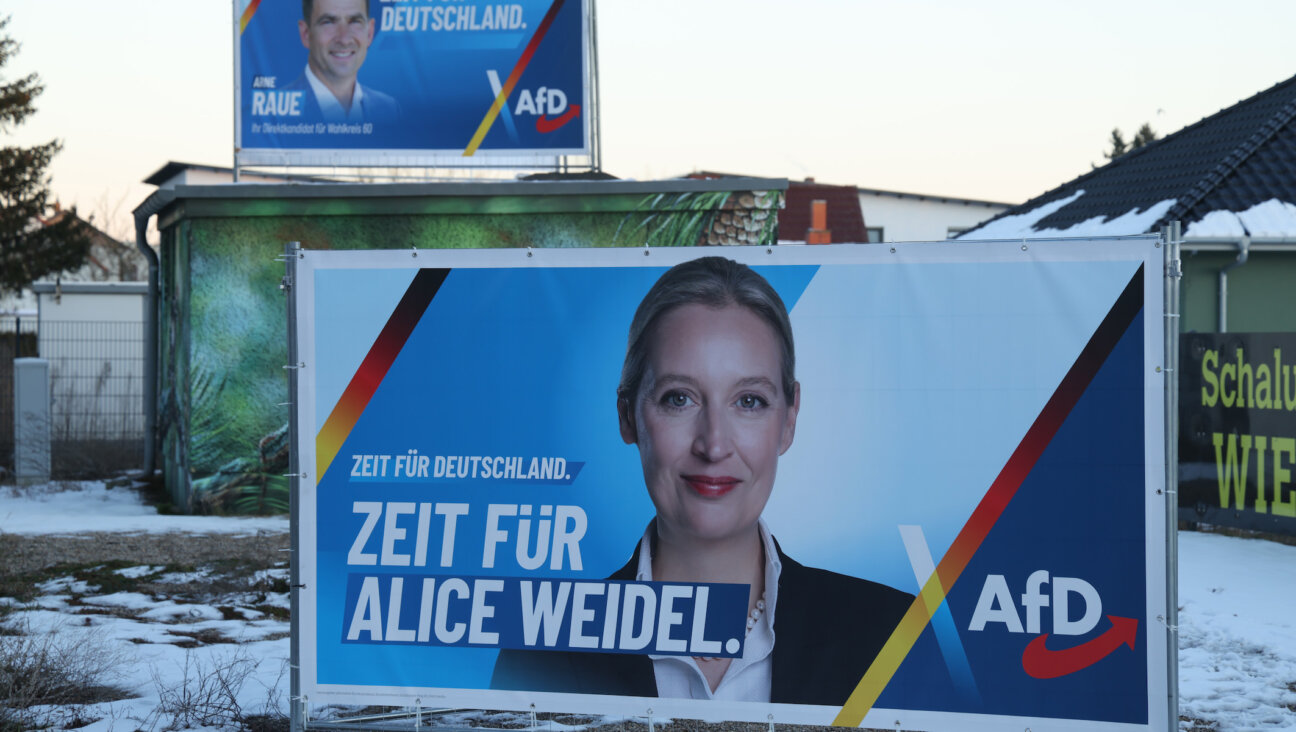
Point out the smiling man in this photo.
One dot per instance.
(337, 35)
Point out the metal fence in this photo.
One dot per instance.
(96, 391)
(96, 395)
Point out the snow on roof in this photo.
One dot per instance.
(1232, 161)
(1272, 218)
(1019, 225)
(1132, 221)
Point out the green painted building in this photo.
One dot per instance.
(221, 393)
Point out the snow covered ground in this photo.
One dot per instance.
(77, 507)
(1237, 632)
(192, 648)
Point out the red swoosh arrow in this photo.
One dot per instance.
(544, 125)
(1042, 663)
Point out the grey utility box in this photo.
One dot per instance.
(31, 420)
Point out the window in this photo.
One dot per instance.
(874, 234)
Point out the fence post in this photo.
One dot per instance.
(31, 421)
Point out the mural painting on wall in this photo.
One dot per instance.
(227, 435)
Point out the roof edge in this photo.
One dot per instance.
(477, 188)
(1078, 182)
(933, 197)
(1229, 164)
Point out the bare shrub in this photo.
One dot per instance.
(273, 717)
(45, 676)
(204, 693)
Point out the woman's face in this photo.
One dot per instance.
(710, 420)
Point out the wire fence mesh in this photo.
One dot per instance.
(96, 392)
(97, 395)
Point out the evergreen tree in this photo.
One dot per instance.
(29, 248)
(1144, 135)
(1118, 145)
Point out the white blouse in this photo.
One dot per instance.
(748, 678)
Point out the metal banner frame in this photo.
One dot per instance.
(1161, 626)
(1171, 239)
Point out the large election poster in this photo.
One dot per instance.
(409, 82)
(622, 481)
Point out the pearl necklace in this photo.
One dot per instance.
(752, 619)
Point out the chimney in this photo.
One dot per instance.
(819, 232)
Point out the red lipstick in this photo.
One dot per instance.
(711, 486)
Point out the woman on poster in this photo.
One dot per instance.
(708, 395)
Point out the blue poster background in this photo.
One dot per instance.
(1078, 514)
(487, 372)
(436, 71)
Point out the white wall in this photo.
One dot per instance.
(912, 217)
(92, 336)
(106, 301)
(202, 176)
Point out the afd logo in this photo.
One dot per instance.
(1076, 609)
(549, 107)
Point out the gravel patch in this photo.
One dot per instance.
(21, 554)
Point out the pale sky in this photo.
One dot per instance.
(996, 99)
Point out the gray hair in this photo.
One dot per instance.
(715, 282)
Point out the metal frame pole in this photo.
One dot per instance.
(237, 90)
(1173, 274)
(296, 714)
(597, 148)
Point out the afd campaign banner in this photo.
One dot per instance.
(406, 82)
(1237, 430)
(916, 485)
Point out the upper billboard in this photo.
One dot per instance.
(410, 82)
(911, 487)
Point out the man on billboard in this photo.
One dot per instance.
(337, 35)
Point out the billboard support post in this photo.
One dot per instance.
(297, 711)
(596, 120)
(1173, 275)
(234, 111)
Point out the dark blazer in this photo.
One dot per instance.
(828, 627)
(376, 107)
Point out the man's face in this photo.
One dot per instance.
(338, 36)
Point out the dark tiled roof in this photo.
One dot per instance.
(1239, 157)
(845, 219)
(1269, 173)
